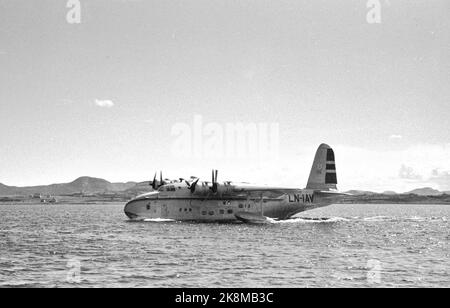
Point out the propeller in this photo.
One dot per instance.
(214, 181)
(153, 184)
(192, 185)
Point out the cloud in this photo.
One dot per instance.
(441, 178)
(407, 173)
(106, 103)
(395, 137)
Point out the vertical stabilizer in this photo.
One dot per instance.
(323, 171)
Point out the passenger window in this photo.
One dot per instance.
(203, 212)
(241, 206)
(222, 212)
(211, 213)
(148, 207)
(230, 211)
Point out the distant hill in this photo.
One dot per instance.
(389, 193)
(85, 185)
(90, 185)
(426, 191)
(139, 188)
(9, 190)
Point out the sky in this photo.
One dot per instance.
(113, 95)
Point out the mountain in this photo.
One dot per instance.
(90, 185)
(139, 188)
(389, 192)
(86, 185)
(95, 185)
(123, 186)
(426, 191)
(8, 190)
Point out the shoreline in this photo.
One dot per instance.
(361, 201)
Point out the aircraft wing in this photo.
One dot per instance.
(284, 190)
(263, 189)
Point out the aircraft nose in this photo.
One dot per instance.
(129, 210)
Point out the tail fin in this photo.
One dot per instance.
(323, 171)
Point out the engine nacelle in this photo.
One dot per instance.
(205, 188)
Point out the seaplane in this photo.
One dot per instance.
(204, 201)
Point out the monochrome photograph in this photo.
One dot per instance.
(224, 150)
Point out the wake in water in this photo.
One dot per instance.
(159, 220)
(378, 218)
(400, 219)
(309, 220)
(151, 220)
(321, 219)
(362, 219)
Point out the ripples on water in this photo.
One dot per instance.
(342, 246)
